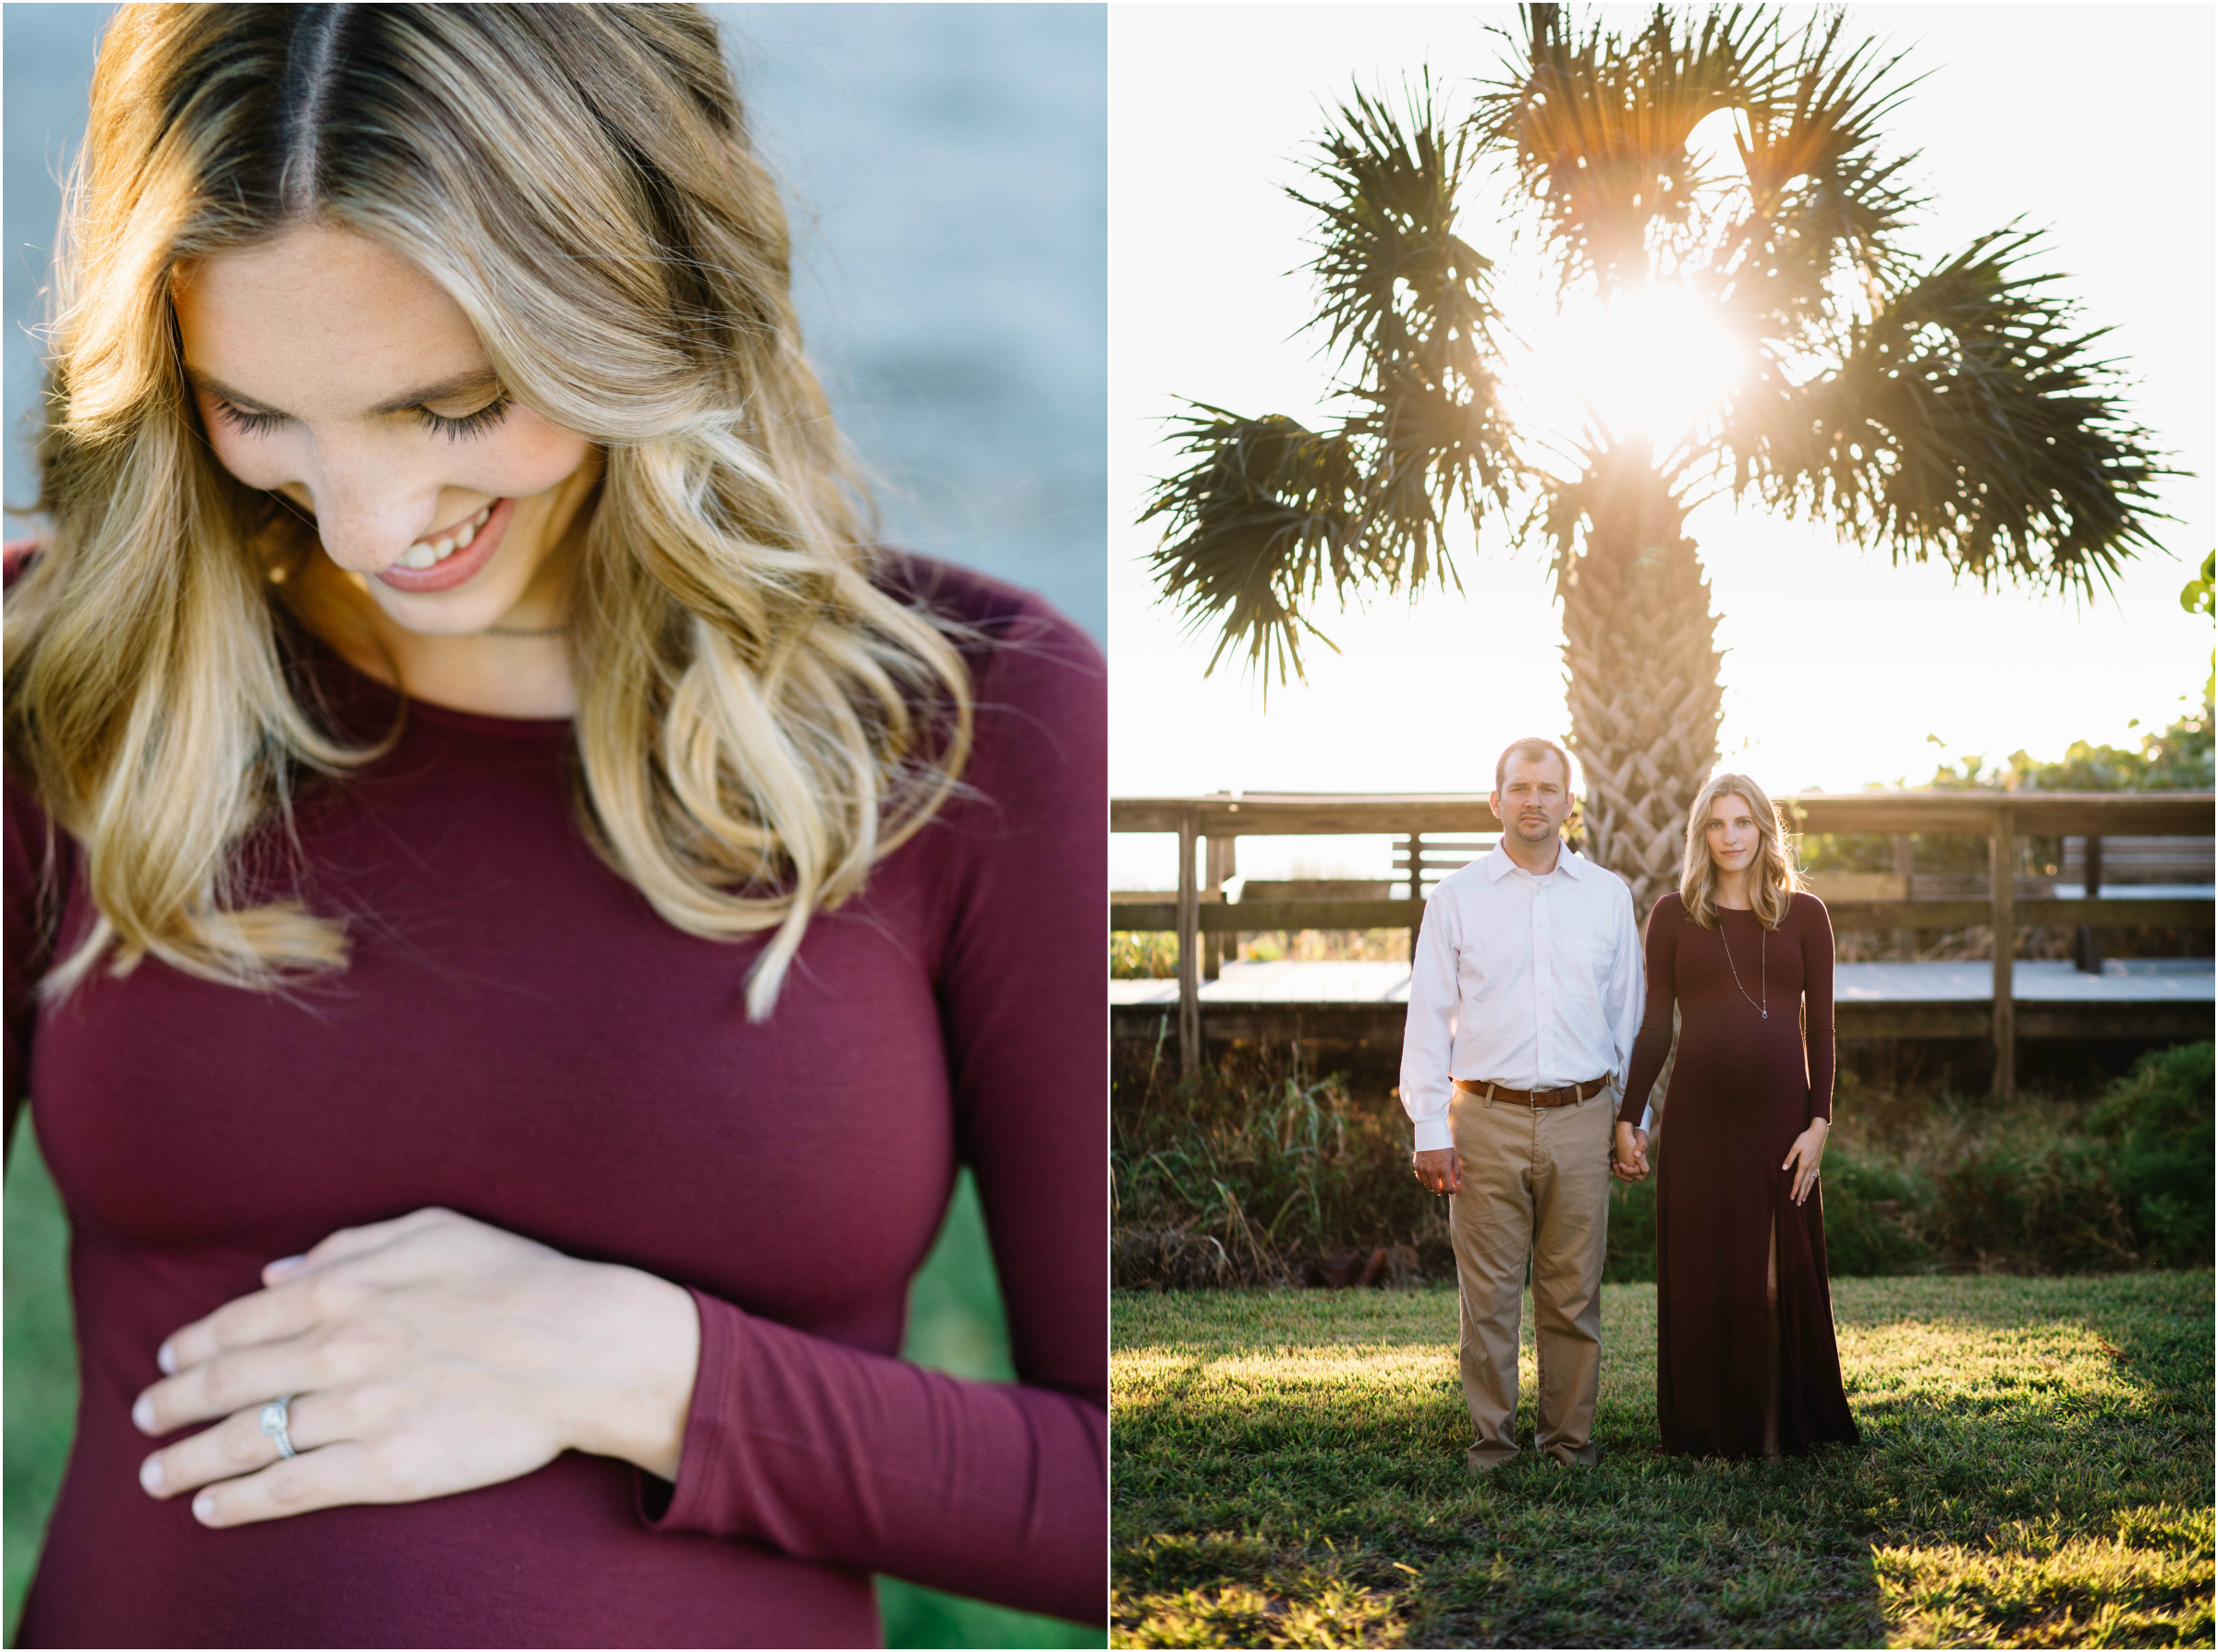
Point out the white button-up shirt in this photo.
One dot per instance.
(1532, 982)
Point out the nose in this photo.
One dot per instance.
(369, 511)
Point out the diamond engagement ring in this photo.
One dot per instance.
(275, 1417)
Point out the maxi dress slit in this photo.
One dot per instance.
(1745, 1085)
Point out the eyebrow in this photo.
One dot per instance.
(461, 383)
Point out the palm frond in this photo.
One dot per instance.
(1823, 192)
(1430, 448)
(1269, 513)
(1400, 289)
(1966, 421)
(1597, 127)
(1254, 528)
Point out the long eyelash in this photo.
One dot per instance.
(469, 424)
(250, 424)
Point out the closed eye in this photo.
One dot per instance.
(468, 424)
(455, 429)
(246, 423)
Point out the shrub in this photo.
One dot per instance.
(1632, 1253)
(1250, 1174)
(2158, 1122)
(1254, 1173)
(2017, 1210)
(1872, 1215)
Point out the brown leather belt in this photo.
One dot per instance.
(1486, 1089)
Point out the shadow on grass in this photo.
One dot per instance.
(2036, 1467)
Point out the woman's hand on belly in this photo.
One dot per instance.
(426, 1356)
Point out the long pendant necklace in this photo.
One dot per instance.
(1763, 1010)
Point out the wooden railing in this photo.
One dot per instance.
(2003, 817)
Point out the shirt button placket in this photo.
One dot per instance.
(1543, 978)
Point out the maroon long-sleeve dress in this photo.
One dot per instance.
(1743, 1086)
(520, 1038)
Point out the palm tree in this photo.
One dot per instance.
(1951, 412)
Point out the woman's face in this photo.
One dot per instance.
(1732, 834)
(338, 374)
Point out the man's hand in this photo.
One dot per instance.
(1438, 1169)
(1630, 1162)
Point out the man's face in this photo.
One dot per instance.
(1534, 800)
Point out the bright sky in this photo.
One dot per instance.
(2092, 122)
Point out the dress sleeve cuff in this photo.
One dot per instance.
(1433, 1135)
(699, 1500)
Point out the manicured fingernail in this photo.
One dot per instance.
(203, 1508)
(284, 1265)
(142, 1414)
(166, 1357)
(150, 1475)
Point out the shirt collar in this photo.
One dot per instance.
(1499, 865)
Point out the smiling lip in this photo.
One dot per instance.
(463, 564)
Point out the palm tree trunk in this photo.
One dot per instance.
(1640, 651)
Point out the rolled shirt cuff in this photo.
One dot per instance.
(1433, 1135)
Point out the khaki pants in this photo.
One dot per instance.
(1536, 1182)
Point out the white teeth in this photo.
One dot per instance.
(426, 553)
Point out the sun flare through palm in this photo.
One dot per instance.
(1726, 302)
(1650, 363)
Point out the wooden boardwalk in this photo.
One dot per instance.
(1364, 1003)
(1430, 826)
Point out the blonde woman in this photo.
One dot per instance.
(516, 908)
(1746, 1361)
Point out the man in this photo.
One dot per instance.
(1524, 998)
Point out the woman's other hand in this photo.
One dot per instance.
(1630, 1162)
(426, 1356)
(1802, 1157)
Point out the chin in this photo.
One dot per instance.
(440, 615)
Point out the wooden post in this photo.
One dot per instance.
(1216, 866)
(1190, 936)
(2003, 919)
(2088, 954)
(1906, 940)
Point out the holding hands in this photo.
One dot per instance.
(430, 1354)
(1629, 1163)
(1802, 1157)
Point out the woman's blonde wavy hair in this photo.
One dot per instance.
(758, 720)
(1772, 890)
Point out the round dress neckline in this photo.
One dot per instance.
(485, 722)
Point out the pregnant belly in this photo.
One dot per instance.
(561, 1557)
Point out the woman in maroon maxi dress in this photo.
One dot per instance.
(1746, 1361)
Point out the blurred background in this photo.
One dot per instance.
(946, 169)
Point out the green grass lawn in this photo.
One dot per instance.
(956, 1325)
(2036, 1471)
